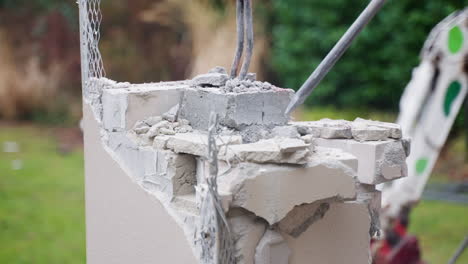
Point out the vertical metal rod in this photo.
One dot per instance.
(335, 54)
(250, 39)
(240, 38)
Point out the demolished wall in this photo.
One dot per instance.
(293, 192)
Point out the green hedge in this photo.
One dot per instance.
(377, 67)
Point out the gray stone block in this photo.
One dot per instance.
(235, 110)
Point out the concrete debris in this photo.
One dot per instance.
(247, 231)
(379, 161)
(272, 191)
(172, 114)
(197, 143)
(156, 126)
(248, 85)
(210, 80)
(325, 128)
(276, 150)
(285, 131)
(254, 133)
(360, 129)
(272, 249)
(301, 217)
(364, 132)
(335, 129)
(394, 129)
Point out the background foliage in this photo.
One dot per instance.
(375, 70)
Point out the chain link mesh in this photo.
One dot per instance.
(90, 21)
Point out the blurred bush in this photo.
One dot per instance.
(377, 67)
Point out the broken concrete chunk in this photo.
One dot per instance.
(197, 144)
(247, 231)
(335, 129)
(272, 191)
(289, 145)
(172, 114)
(363, 132)
(325, 128)
(218, 69)
(272, 249)
(301, 217)
(379, 161)
(175, 173)
(285, 131)
(155, 130)
(211, 80)
(395, 129)
(151, 121)
(251, 76)
(142, 130)
(160, 142)
(277, 150)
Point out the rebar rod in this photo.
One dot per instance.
(240, 38)
(248, 16)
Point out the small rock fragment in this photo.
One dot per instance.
(211, 80)
(172, 114)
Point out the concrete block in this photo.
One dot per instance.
(122, 108)
(235, 109)
(325, 128)
(272, 249)
(271, 191)
(180, 169)
(379, 161)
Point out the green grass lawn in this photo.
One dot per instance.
(440, 227)
(42, 206)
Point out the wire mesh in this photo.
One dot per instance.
(90, 22)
